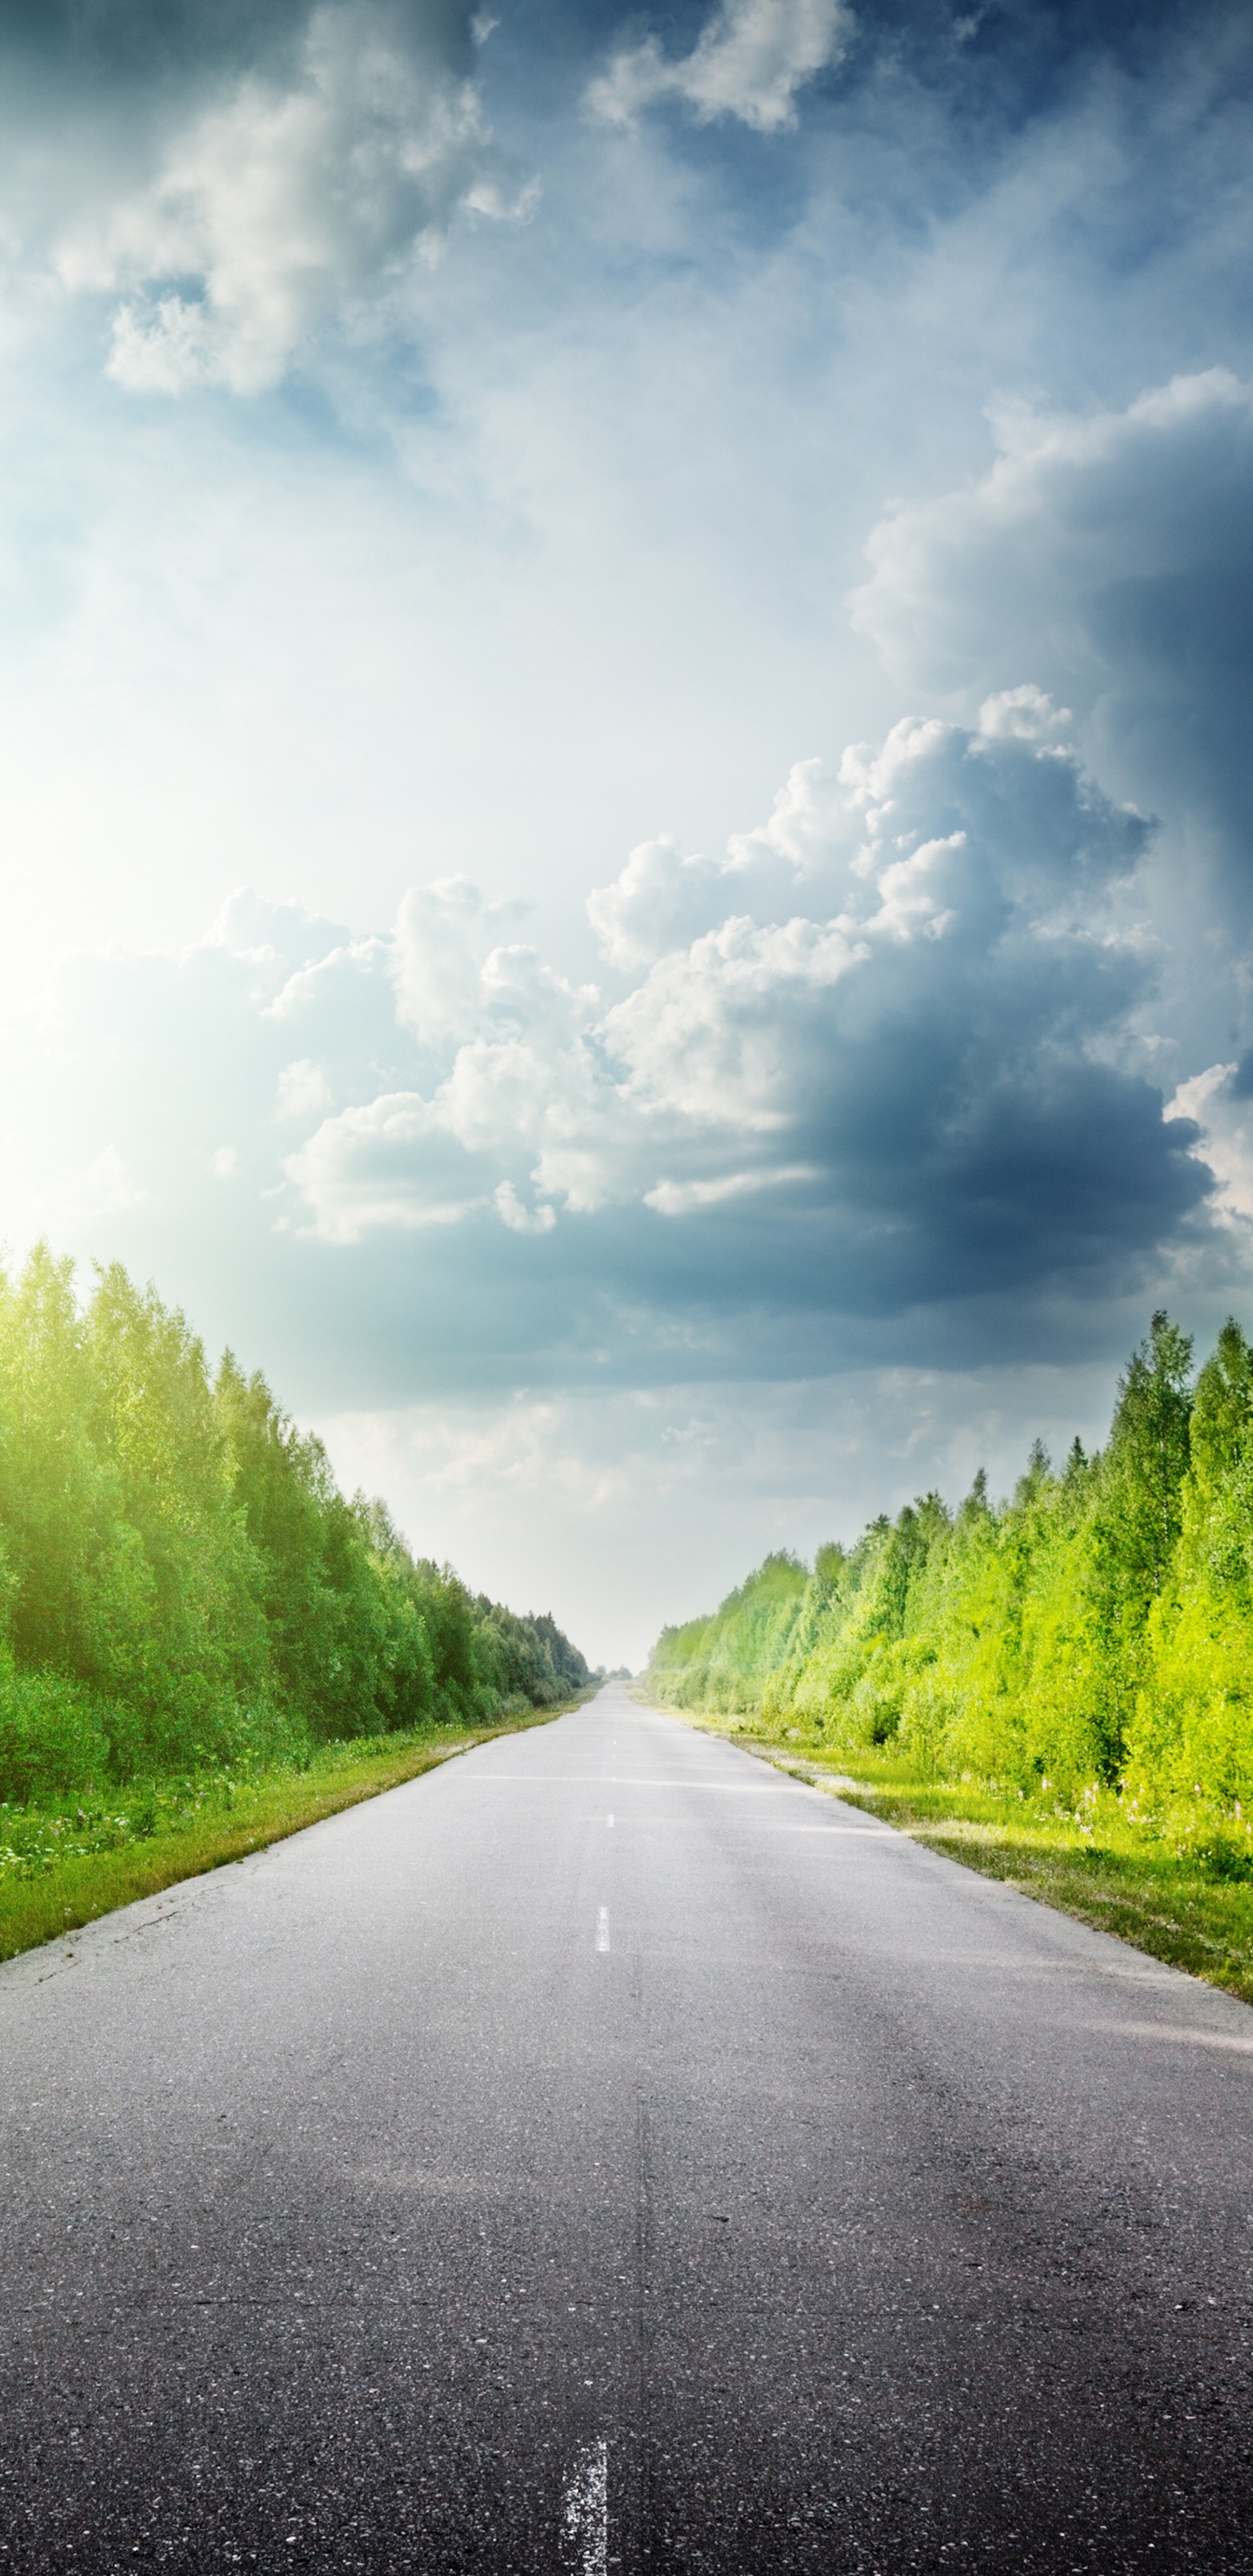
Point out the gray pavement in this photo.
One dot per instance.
(607, 2153)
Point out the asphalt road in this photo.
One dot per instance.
(605, 2153)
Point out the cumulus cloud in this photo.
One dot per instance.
(1023, 715)
(878, 1062)
(660, 900)
(1112, 554)
(934, 1031)
(928, 1038)
(749, 61)
(1072, 504)
(287, 196)
(389, 1163)
(516, 1086)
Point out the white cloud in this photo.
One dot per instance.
(660, 900)
(388, 1164)
(303, 1090)
(749, 61)
(959, 970)
(678, 1198)
(711, 1035)
(270, 935)
(1110, 554)
(1223, 1110)
(278, 207)
(86, 1194)
(798, 832)
(519, 1219)
(443, 936)
(903, 1083)
(1013, 560)
(1023, 715)
(1111, 550)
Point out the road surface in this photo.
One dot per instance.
(605, 2153)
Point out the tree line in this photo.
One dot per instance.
(1095, 1630)
(182, 1584)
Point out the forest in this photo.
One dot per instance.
(183, 1587)
(1090, 1637)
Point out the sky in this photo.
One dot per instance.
(625, 765)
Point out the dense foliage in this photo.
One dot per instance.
(1093, 1633)
(181, 1582)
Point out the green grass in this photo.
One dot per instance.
(62, 1866)
(1179, 1888)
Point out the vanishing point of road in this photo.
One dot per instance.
(607, 2153)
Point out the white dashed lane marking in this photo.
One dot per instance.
(585, 2511)
(602, 1928)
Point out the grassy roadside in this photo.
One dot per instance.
(1184, 1898)
(60, 1868)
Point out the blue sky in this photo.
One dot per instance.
(624, 662)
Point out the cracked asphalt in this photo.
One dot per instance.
(607, 2153)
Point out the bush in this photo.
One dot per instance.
(53, 1739)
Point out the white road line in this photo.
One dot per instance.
(609, 1820)
(602, 1928)
(585, 2510)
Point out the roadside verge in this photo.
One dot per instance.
(60, 1869)
(1189, 1903)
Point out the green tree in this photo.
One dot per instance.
(1222, 1409)
(182, 1582)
